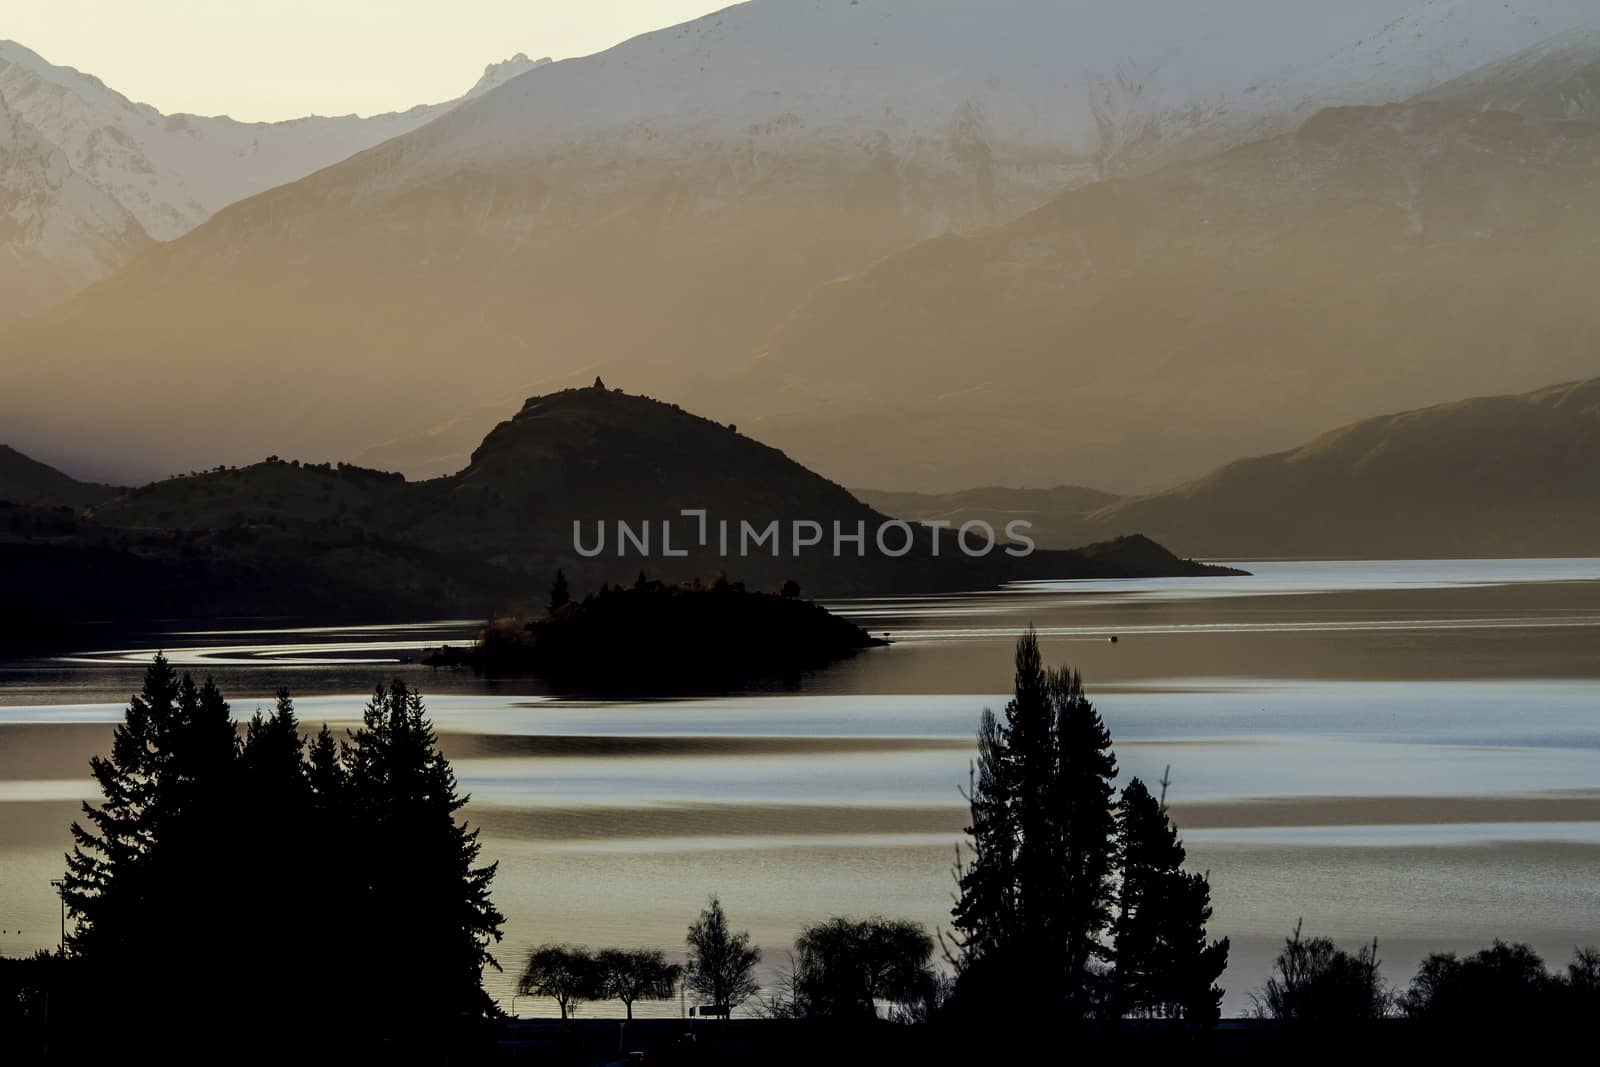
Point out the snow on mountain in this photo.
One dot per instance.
(1034, 89)
(173, 171)
(1556, 79)
(660, 209)
(497, 74)
(58, 231)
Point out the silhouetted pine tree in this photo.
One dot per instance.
(1083, 829)
(1165, 966)
(148, 883)
(106, 880)
(560, 595)
(281, 863)
(1036, 897)
(986, 914)
(423, 917)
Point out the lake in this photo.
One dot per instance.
(1401, 750)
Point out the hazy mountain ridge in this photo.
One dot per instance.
(659, 207)
(1490, 476)
(1493, 476)
(30, 483)
(1140, 330)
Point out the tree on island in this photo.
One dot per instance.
(560, 595)
(636, 974)
(567, 974)
(1036, 898)
(722, 964)
(1165, 968)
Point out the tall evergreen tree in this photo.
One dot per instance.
(184, 880)
(560, 594)
(281, 864)
(1166, 968)
(149, 881)
(1035, 899)
(423, 914)
(1083, 832)
(106, 880)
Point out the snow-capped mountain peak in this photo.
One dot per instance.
(173, 171)
(60, 230)
(497, 74)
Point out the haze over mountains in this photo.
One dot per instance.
(1133, 333)
(1487, 477)
(682, 207)
(101, 176)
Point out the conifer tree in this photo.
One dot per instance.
(424, 917)
(1166, 968)
(146, 880)
(1083, 829)
(105, 884)
(560, 594)
(281, 862)
(1035, 899)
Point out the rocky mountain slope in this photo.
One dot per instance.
(658, 208)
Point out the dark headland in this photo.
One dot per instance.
(334, 541)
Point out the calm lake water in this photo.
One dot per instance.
(1401, 750)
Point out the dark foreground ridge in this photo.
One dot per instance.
(336, 541)
(679, 638)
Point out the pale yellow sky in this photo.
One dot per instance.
(279, 59)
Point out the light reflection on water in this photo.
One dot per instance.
(1313, 716)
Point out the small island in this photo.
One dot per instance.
(652, 638)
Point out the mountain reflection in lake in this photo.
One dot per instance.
(1403, 750)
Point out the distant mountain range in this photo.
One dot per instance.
(282, 537)
(1494, 476)
(680, 210)
(88, 177)
(1135, 332)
